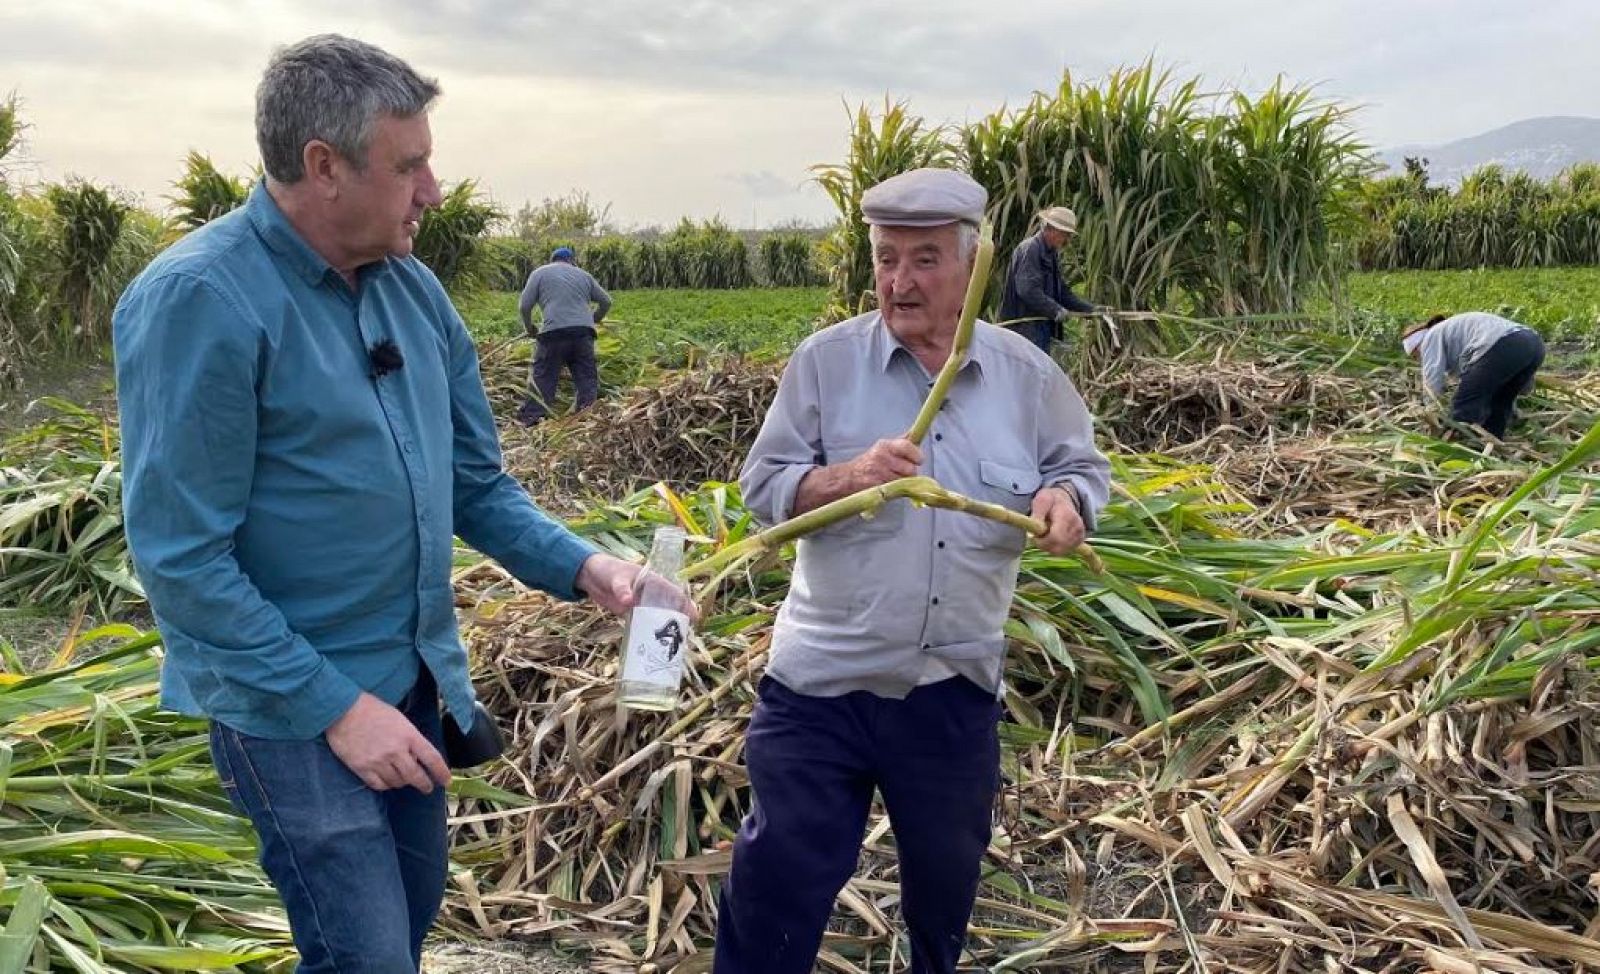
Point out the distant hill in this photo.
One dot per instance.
(1541, 147)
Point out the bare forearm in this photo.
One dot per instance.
(823, 485)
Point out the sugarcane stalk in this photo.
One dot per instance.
(922, 491)
(958, 346)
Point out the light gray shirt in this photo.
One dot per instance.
(563, 292)
(874, 602)
(1451, 346)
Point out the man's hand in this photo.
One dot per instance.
(384, 749)
(1057, 507)
(608, 581)
(884, 461)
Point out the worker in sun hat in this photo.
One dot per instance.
(886, 659)
(564, 293)
(1036, 299)
(1494, 358)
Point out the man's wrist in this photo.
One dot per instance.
(1071, 492)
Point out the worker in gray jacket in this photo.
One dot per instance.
(1494, 357)
(564, 293)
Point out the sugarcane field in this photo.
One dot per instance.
(1291, 448)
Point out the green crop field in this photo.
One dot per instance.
(1563, 303)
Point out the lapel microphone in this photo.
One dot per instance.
(385, 358)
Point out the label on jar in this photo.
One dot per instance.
(656, 643)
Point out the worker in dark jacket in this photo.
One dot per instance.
(1037, 300)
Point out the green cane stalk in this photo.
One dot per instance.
(958, 347)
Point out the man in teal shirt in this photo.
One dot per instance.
(304, 431)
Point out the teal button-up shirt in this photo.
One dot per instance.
(289, 512)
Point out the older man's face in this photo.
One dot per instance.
(921, 278)
(380, 205)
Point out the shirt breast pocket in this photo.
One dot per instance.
(1004, 485)
(1007, 485)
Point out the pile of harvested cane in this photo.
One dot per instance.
(694, 426)
(1216, 760)
(1150, 404)
(1344, 750)
(1368, 739)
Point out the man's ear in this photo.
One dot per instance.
(322, 167)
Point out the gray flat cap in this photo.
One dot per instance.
(925, 198)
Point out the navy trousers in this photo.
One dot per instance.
(571, 349)
(813, 763)
(1489, 388)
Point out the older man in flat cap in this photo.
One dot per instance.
(1037, 300)
(886, 659)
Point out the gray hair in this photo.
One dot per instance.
(966, 238)
(332, 89)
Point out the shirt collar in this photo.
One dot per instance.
(284, 240)
(885, 348)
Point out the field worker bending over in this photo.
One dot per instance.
(887, 654)
(1495, 359)
(304, 430)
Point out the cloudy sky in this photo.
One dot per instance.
(711, 107)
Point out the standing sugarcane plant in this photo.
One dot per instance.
(451, 241)
(204, 192)
(89, 223)
(896, 142)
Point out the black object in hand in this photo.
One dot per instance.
(385, 358)
(479, 743)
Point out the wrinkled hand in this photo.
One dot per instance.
(1057, 507)
(885, 461)
(384, 749)
(608, 581)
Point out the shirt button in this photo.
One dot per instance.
(936, 600)
(408, 448)
(941, 544)
(938, 436)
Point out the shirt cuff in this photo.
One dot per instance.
(785, 486)
(321, 702)
(1079, 491)
(553, 565)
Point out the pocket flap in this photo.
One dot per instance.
(1018, 480)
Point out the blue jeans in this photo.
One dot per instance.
(813, 763)
(361, 872)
